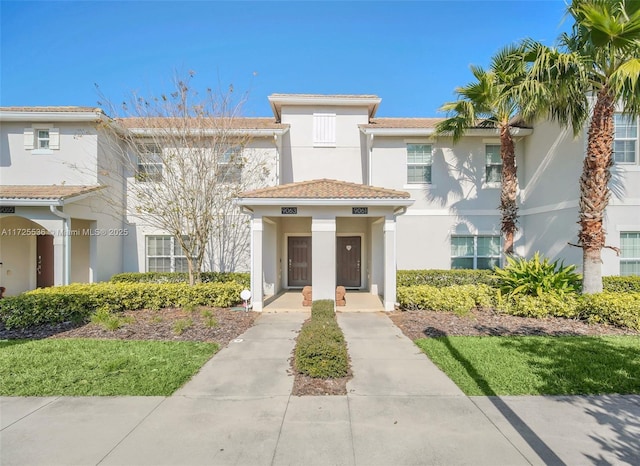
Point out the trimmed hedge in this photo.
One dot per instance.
(78, 302)
(182, 277)
(545, 305)
(620, 309)
(321, 351)
(435, 277)
(459, 299)
(621, 284)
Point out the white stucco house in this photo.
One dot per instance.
(350, 199)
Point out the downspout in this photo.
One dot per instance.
(278, 143)
(66, 242)
(370, 154)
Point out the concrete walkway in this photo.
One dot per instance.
(400, 410)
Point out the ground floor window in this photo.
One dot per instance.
(164, 254)
(630, 253)
(475, 252)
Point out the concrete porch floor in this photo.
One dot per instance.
(291, 301)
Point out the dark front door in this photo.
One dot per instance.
(348, 261)
(44, 261)
(299, 255)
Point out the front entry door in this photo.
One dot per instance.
(348, 261)
(44, 261)
(299, 255)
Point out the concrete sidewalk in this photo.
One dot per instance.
(400, 409)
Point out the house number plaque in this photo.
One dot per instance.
(359, 210)
(5, 209)
(289, 210)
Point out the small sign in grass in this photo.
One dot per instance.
(538, 365)
(84, 367)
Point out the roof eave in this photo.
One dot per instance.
(287, 201)
(13, 115)
(430, 132)
(255, 132)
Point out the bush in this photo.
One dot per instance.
(536, 276)
(321, 351)
(457, 298)
(243, 279)
(546, 305)
(78, 302)
(622, 284)
(619, 309)
(445, 277)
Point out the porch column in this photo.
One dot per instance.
(59, 260)
(323, 258)
(257, 294)
(389, 264)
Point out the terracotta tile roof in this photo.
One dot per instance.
(325, 189)
(403, 123)
(44, 192)
(71, 109)
(235, 123)
(329, 96)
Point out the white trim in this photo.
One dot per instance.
(627, 228)
(323, 224)
(426, 132)
(550, 208)
(14, 115)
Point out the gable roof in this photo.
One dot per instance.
(324, 189)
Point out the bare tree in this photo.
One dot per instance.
(184, 157)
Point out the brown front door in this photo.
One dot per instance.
(44, 261)
(348, 261)
(299, 255)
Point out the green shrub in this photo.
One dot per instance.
(619, 309)
(445, 277)
(546, 305)
(536, 276)
(321, 351)
(622, 284)
(243, 279)
(459, 299)
(78, 302)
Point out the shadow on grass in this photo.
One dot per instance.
(545, 453)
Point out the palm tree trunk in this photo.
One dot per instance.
(509, 189)
(594, 191)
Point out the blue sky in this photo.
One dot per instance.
(411, 54)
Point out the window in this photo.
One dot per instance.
(42, 139)
(630, 253)
(229, 169)
(324, 129)
(626, 138)
(164, 254)
(419, 160)
(475, 252)
(493, 163)
(149, 163)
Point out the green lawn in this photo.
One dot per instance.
(84, 367)
(538, 365)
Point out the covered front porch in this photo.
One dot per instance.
(323, 234)
(291, 301)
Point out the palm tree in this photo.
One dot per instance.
(595, 68)
(492, 102)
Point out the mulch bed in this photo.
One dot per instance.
(159, 325)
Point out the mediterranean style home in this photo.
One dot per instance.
(350, 198)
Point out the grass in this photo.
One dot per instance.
(84, 367)
(538, 365)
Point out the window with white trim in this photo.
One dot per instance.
(324, 130)
(625, 142)
(164, 254)
(475, 252)
(149, 163)
(229, 166)
(42, 139)
(493, 163)
(630, 253)
(419, 161)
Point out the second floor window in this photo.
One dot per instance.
(229, 167)
(43, 139)
(419, 160)
(625, 143)
(149, 163)
(493, 163)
